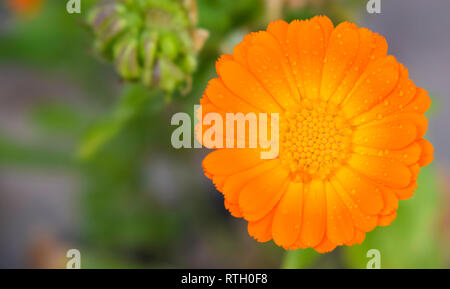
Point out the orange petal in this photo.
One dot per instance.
(272, 75)
(361, 221)
(226, 101)
(279, 30)
(374, 85)
(219, 181)
(390, 202)
(240, 82)
(408, 155)
(363, 192)
(311, 51)
(266, 40)
(231, 161)
(414, 170)
(314, 214)
(240, 51)
(326, 25)
(419, 120)
(394, 103)
(427, 152)
(392, 136)
(261, 230)
(223, 58)
(292, 52)
(405, 193)
(261, 194)
(297, 245)
(234, 209)
(339, 220)
(235, 183)
(340, 56)
(391, 173)
(288, 216)
(371, 47)
(420, 103)
(387, 220)
(325, 246)
(358, 238)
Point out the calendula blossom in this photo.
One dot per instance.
(351, 133)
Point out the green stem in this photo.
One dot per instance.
(133, 101)
(299, 259)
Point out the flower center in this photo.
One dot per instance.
(314, 140)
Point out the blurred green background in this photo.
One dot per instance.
(86, 161)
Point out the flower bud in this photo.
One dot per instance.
(152, 41)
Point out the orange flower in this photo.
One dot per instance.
(25, 7)
(351, 133)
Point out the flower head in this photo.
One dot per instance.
(350, 136)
